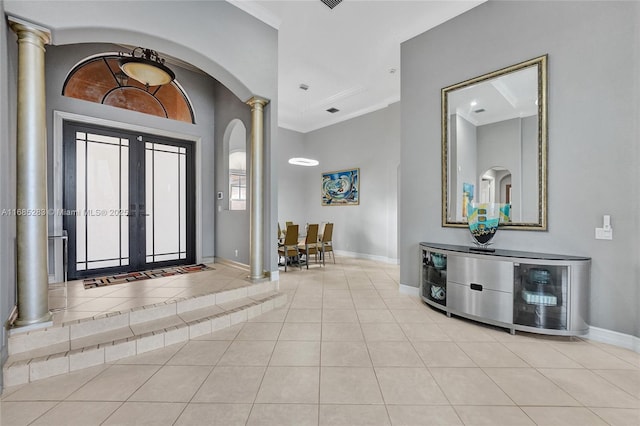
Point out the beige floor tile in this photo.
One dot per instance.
(423, 415)
(619, 416)
(246, 352)
(375, 315)
(305, 302)
(55, 388)
(338, 303)
(383, 332)
(289, 385)
(541, 355)
(526, 386)
(345, 354)
(304, 315)
(490, 354)
(627, 380)
(591, 356)
(423, 389)
(301, 331)
(415, 315)
(341, 332)
(155, 357)
(77, 413)
(469, 386)
(563, 416)
(200, 353)
(443, 354)
(23, 413)
(353, 415)
(339, 316)
(369, 303)
(145, 413)
(283, 415)
(260, 331)
(494, 416)
(231, 385)
(591, 389)
(296, 353)
(423, 332)
(172, 384)
(393, 354)
(197, 414)
(401, 303)
(117, 383)
(624, 354)
(349, 385)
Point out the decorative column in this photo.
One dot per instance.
(256, 188)
(31, 165)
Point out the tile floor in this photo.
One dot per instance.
(347, 349)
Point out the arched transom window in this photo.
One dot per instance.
(99, 79)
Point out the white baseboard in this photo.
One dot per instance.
(367, 256)
(206, 260)
(409, 290)
(274, 275)
(602, 335)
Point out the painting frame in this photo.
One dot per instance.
(340, 187)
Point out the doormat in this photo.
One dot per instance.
(143, 275)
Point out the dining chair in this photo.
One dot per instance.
(326, 243)
(310, 244)
(289, 248)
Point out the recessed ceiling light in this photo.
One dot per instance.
(304, 86)
(333, 110)
(308, 162)
(392, 70)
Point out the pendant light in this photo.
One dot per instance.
(146, 66)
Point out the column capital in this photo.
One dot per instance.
(257, 101)
(20, 26)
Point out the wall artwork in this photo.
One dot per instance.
(341, 188)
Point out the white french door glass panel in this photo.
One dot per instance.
(165, 188)
(102, 224)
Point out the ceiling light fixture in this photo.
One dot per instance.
(333, 110)
(331, 3)
(146, 66)
(304, 86)
(308, 162)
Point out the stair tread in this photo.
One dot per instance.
(137, 330)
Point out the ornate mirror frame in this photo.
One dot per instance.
(540, 64)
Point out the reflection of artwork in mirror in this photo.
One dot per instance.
(494, 140)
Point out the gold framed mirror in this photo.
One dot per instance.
(494, 145)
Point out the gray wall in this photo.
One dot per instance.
(369, 142)
(232, 226)
(8, 81)
(593, 152)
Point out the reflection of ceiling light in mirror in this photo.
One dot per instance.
(303, 162)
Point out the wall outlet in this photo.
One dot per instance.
(604, 234)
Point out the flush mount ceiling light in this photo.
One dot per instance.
(331, 3)
(308, 162)
(146, 66)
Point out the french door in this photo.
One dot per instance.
(129, 200)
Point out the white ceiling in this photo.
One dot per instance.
(345, 55)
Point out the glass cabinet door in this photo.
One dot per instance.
(540, 296)
(434, 277)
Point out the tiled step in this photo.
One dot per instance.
(84, 343)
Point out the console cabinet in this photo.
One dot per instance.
(527, 291)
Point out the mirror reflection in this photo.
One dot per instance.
(494, 144)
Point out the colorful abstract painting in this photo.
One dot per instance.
(341, 188)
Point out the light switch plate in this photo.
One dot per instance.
(604, 234)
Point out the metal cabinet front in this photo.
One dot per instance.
(490, 274)
(480, 302)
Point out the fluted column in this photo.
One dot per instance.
(31, 166)
(256, 189)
